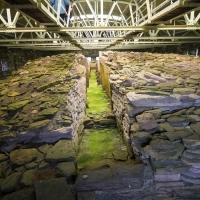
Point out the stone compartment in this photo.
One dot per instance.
(156, 100)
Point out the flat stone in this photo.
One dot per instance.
(143, 100)
(183, 91)
(23, 194)
(146, 121)
(197, 111)
(23, 156)
(192, 144)
(166, 126)
(167, 178)
(195, 127)
(135, 127)
(169, 166)
(180, 112)
(67, 170)
(191, 177)
(114, 77)
(180, 119)
(133, 111)
(191, 158)
(28, 178)
(176, 135)
(62, 151)
(86, 196)
(121, 155)
(113, 179)
(195, 117)
(11, 182)
(53, 189)
(169, 184)
(3, 157)
(155, 112)
(187, 194)
(163, 149)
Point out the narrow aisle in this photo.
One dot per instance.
(101, 145)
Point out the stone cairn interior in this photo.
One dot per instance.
(156, 102)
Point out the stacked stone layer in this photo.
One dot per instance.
(156, 100)
(43, 101)
(42, 114)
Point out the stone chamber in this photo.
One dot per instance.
(143, 127)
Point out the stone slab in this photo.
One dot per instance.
(25, 194)
(166, 178)
(169, 166)
(53, 189)
(86, 196)
(113, 179)
(62, 151)
(143, 100)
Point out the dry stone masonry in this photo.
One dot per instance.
(41, 117)
(156, 100)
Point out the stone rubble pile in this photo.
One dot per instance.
(41, 117)
(156, 100)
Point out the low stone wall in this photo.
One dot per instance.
(41, 118)
(156, 100)
(43, 101)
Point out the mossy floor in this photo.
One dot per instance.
(97, 100)
(99, 145)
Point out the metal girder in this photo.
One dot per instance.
(100, 24)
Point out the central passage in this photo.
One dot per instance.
(101, 145)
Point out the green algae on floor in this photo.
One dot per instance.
(99, 145)
(97, 100)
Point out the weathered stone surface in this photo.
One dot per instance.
(187, 194)
(28, 177)
(31, 165)
(192, 143)
(25, 194)
(3, 157)
(179, 120)
(183, 91)
(11, 182)
(143, 100)
(167, 177)
(113, 179)
(86, 196)
(176, 135)
(146, 121)
(133, 111)
(121, 155)
(167, 166)
(62, 151)
(191, 157)
(156, 113)
(48, 112)
(23, 156)
(195, 127)
(39, 124)
(53, 189)
(67, 170)
(166, 126)
(163, 149)
(17, 105)
(135, 127)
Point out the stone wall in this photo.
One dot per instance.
(16, 58)
(156, 100)
(43, 101)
